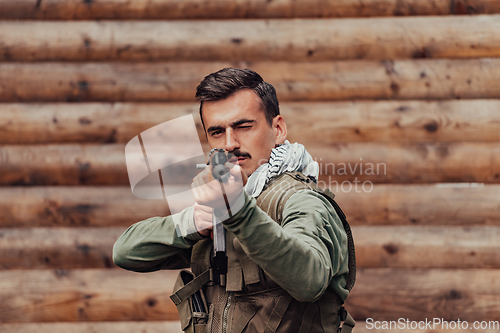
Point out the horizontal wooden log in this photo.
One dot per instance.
(389, 121)
(464, 204)
(253, 40)
(357, 164)
(225, 9)
(429, 246)
(63, 165)
(75, 206)
(328, 123)
(417, 294)
(85, 122)
(111, 295)
(362, 163)
(172, 326)
(399, 204)
(85, 295)
(307, 81)
(380, 246)
(58, 247)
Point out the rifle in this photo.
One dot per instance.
(218, 158)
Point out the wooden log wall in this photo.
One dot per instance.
(410, 87)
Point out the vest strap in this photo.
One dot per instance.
(234, 275)
(244, 318)
(234, 280)
(348, 324)
(351, 252)
(249, 268)
(277, 313)
(307, 318)
(193, 286)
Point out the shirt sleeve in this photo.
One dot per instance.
(306, 254)
(157, 243)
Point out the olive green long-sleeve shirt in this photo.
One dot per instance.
(305, 255)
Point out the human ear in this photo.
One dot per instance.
(279, 128)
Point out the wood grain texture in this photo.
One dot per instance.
(173, 326)
(464, 204)
(63, 165)
(427, 246)
(79, 206)
(306, 81)
(404, 163)
(85, 122)
(357, 164)
(58, 248)
(389, 121)
(390, 294)
(229, 9)
(253, 40)
(396, 204)
(116, 295)
(307, 122)
(376, 246)
(85, 295)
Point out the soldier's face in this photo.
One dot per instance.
(238, 124)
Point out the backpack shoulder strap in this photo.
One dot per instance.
(351, 279)
(309, 183)
(276, 192)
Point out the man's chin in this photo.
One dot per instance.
(245, 171)
(245, 168)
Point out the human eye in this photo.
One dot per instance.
(216, 133)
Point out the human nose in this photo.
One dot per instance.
(231, 140)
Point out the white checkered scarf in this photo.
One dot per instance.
(285, 157)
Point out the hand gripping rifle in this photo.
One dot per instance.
(218, 158)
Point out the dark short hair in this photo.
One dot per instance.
(222, 84)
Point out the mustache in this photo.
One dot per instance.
(238, 153)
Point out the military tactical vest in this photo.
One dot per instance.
(251, 301)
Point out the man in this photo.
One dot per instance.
(288, 266)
